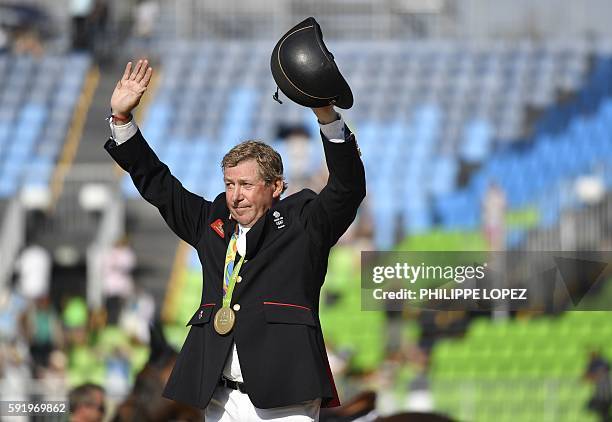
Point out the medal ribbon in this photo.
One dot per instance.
(230, 271)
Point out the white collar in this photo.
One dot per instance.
(241, 241)
(243, 230)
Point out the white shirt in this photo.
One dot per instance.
(232, 365)
(34, 268)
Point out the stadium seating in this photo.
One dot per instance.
(530, 370)
(567, 144)
(423, 110)
(37, 98)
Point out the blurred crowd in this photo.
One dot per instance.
(23, 29)
(49, 344)
(95, 27)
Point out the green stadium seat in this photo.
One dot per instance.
(528, 370)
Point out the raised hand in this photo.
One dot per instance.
(325, 114)
(129, 89)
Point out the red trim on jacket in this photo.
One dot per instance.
(207, 304)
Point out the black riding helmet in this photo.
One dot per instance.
(305, 70)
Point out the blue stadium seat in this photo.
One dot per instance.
(417, 102)
(476, 142)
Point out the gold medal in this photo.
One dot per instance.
(224, 320)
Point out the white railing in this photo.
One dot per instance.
(248, 19)
(580, 224)
(110, 229)
(12, 238)
(376, 19)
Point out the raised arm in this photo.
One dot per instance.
(184, 212)
(334, 209)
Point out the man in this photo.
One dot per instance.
(255, 349)
(87, 403)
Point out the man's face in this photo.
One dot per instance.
(248, 197)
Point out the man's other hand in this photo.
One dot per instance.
(130, 88)
(326, 114)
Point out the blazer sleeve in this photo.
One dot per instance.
(184, 212)
(333, 210)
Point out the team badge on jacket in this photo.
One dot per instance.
(278, 220)
(217, 226)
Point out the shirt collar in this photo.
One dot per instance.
(242, 231)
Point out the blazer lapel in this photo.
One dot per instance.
(229, 227)
(254, 238)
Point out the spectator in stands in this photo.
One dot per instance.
(297, 141)
(74, 316)
(44, 332)
(138, 314)
(146, 13)
(5, 41)
(53, 378)
(87, 403)
(34, 270)
(80, 11)
(117, 269)
(598, 373)
(12, 309)
(420, 398)
(99, 18)
(117, 380)
(14, 370)
(27, 41)
(494, 217)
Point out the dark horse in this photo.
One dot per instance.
(145, 402)
(363, 408)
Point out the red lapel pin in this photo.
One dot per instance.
(217, 226)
